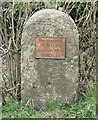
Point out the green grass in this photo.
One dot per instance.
(84, 108)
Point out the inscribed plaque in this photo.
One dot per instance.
(50, 47)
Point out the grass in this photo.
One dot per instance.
(84, 108)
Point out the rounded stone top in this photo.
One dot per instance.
(52, 15)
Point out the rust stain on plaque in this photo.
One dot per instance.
(50, 47)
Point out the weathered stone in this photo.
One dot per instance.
(0, 79)
(49, 79)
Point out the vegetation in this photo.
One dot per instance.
(85, 108)
(13, 17)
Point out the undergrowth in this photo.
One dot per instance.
(84, 108)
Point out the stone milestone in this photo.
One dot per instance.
(49, 62)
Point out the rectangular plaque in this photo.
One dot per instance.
(50, 47)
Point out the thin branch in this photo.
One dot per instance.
(13, 34)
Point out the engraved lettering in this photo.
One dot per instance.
(50, 47)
